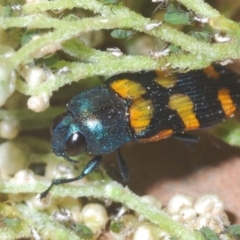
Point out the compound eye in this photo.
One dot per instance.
(75, 145)
(57, 120)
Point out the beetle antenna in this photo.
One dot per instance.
(91, 166)
(122, 166)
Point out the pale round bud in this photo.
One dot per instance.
(130, 223)
(34, 76)
(146, 232)
(14, 157)
(188, 213)
(38, 103)
(74, 206)
(202, 221)
(61, 170)
(25, 176)
(9, 129)
(6, 51)
(40, 204)
(94, 216)
(179, 201)
(209, 203)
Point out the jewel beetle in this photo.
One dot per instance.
(143, 107)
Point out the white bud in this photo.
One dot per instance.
(209, 203)
(94, 216)
(38, 103)
(61, 170)
(73, 205)
(14, 157)
(6, 51)
(130, 223)
(179, 201)
(201, 221)
(34, 76)
(40, 204)
(9, 129)
(146, 232)
(25, 176)
(188, 213)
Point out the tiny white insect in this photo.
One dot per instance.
(150, 26)
(115, 52)
(201, 19)
(222, 38)
(158, 54)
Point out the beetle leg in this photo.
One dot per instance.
(122, 166)
(66, 157)
(91, 166)
(186, 137)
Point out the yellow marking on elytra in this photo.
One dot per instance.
(140, 110)
(161, 135)
(227, 103)
(185, 108)
(127, 88)
(141, 113)
(211, 72)
(164, 80)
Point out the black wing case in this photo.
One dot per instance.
(163, 104)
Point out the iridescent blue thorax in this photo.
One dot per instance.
(97, 115)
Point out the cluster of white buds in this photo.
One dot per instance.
(206, 211)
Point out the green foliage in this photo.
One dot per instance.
(228, 131)
(64, 38)
(209, 234)
(233, 232)
(84, 232)
(194, 53)
(116, 226)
